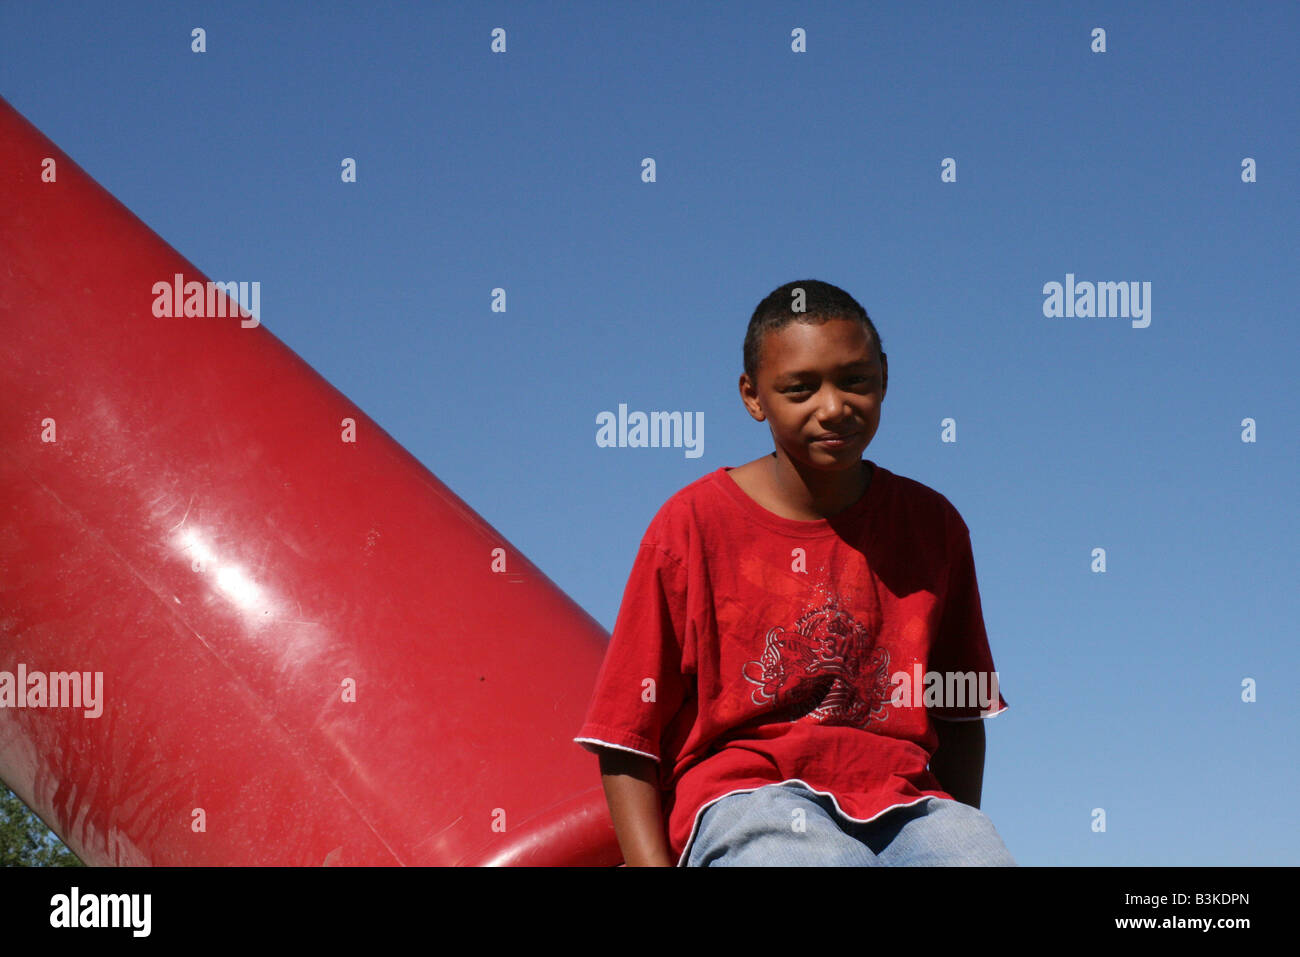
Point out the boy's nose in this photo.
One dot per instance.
(835, 409)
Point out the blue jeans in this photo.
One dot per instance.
(789, 825)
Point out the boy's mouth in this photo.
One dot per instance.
(835, 440)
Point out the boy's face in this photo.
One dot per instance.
(815, 379)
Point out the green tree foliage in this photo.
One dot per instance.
(25, 841)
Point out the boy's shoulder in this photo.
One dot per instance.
(898, 499)
(919, 501)
(675, 516)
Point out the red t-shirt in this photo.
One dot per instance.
(753, 649)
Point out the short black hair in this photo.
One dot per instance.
(821, 302)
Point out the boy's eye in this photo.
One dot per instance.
(796, 389)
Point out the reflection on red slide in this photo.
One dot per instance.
(302, 649)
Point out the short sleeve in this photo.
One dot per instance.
(961, 652)
(641, 684)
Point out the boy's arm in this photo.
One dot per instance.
(632, 789)
(958, 762)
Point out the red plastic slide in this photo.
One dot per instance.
(240, 624)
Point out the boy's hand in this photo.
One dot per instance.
(958, 762)
(632, 790)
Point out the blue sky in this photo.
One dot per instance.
(523, 171)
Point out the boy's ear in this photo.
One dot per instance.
(751, 403)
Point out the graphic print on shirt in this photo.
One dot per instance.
(826, 668)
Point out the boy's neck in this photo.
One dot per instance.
(802, 495)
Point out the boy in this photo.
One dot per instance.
(766, 697)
